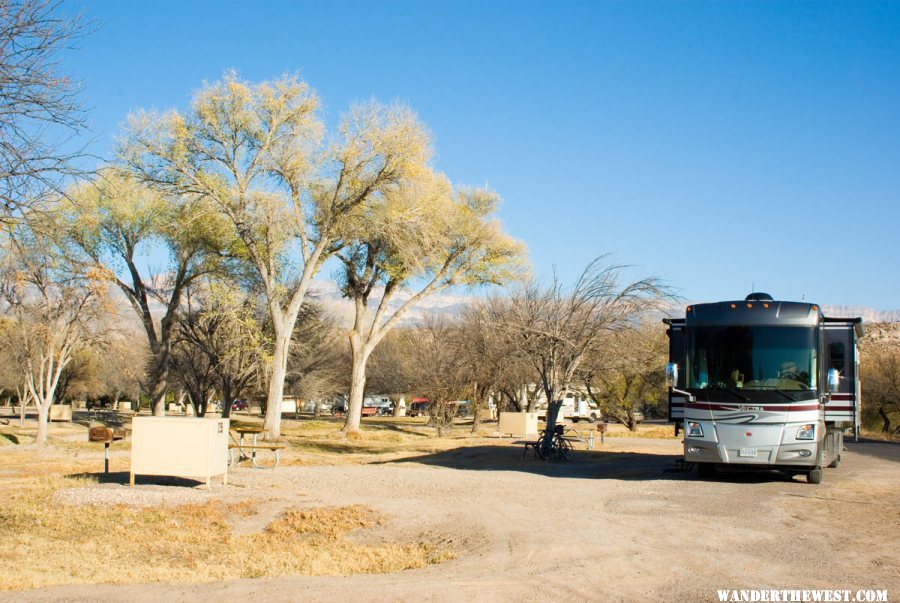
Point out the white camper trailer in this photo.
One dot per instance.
(576, 407)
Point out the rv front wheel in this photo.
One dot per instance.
(815, 476)
(592, 418)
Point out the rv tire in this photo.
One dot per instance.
(835, 462)
(592, 418)
(815, 476)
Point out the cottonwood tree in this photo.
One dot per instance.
(404, 245)
(113, 224)
(54, 310)
(556, 328)
(257, 153)
(625, 373)
(39, 111)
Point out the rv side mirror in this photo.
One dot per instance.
(671, 374)
(833, 381)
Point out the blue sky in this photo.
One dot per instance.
(715, 145)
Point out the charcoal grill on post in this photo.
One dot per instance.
(107, 435)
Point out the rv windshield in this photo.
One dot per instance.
(752, 358)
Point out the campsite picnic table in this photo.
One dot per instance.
(244, 431)
(106, 415)
(254, 431)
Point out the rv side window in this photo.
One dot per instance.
(836, 355)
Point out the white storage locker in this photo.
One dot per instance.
(180, 446)
(518, 423)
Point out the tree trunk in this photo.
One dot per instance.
(553, 409)
(43, 416)
(158, 395)
(886, 428)
(476, 407)
(227, 399)
(528, 402)
(357, 388)
(272, 424)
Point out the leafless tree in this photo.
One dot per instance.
(439, 375)
(55, 312)
(219, 342)
(393, 365)
(39, 111)
(555, 328)
(318, 363)
(482, 352)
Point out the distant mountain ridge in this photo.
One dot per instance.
(452, 303)
(867, 314)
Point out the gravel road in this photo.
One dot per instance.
(617, 524)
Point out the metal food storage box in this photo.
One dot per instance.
(180, 446)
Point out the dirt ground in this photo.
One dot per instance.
(617, 524)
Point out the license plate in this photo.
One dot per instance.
(747, 452)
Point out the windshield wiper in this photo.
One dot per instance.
(730, 391)
(780, 391)
(785, 394)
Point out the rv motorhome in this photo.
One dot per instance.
(761, 383)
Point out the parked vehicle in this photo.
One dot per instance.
(239, 405)
(575, 407)
(462, 407)
(765, 384)
(419, 407)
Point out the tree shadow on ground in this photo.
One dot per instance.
(586, 464)
(398, 428)
(123, 478)
(370, 423)
(889, 451)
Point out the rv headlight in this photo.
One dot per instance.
(694, 430)
(807, 432)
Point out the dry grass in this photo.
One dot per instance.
(47, 544)
(317, 442)
(662, 432)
